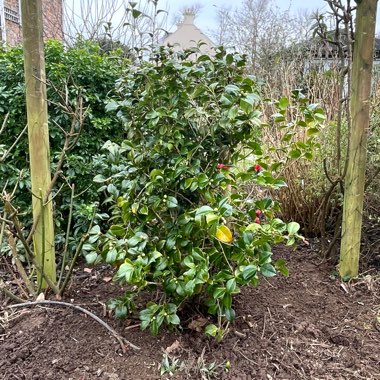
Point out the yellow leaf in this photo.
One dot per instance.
(224, 234)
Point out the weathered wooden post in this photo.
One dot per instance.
(38, 134)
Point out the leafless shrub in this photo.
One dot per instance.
(133, 24)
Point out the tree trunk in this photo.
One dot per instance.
(357, 149)
(38, 134)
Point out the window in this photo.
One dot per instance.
(11, 15)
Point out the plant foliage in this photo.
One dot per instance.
(183, 220)
(79, 79)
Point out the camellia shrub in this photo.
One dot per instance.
(184, 221)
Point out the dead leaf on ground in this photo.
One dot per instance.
(173, 347)
(41, 297)
(107, 279)
(87, 270)
(344, 287)
(198, 324)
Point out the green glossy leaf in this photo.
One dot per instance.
(211, 330)
(268, 270)
(308, 155)
(144, 324)
(112, 106)
(111, 256)
(295, 153)
(95, 230)
(232, 89)
(283, 103)
(136, 239)
(229, 59)
(227, 301)
(230, 314)
(210, 218)
(99, 178)
(280, 266)
(253, 227)
(170, 242)
(312, 131)
(136, 13)
(293, 228)
(121, 312)
(231, 285)
(320, 116)
(218, 293)
(173, 319)
(117, 230)
(125, 271)
(278, 183)
(154, 326)
(202, 180)
(135, 208)
(171, 202)
(224, 100)
(249, 272)
(91, 257)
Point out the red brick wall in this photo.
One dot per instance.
(52, 12)
(12, 28)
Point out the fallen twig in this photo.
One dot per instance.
(117, 336)
(263, 333)
(132, 326)
(247, 358)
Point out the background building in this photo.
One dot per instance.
(11, 23)
(188, 35)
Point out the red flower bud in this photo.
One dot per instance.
(222, 166)
(258, 212)
(257, 168)
(257, 220)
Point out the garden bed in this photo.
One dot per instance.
(307, 326)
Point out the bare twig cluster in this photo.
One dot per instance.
(118, 23)
(12, 229)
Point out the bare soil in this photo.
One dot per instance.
(307, 326)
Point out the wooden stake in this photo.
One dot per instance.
(38, 134)
(357, 149)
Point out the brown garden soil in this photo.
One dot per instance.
(306, 326)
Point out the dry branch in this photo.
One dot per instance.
(115, 334)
